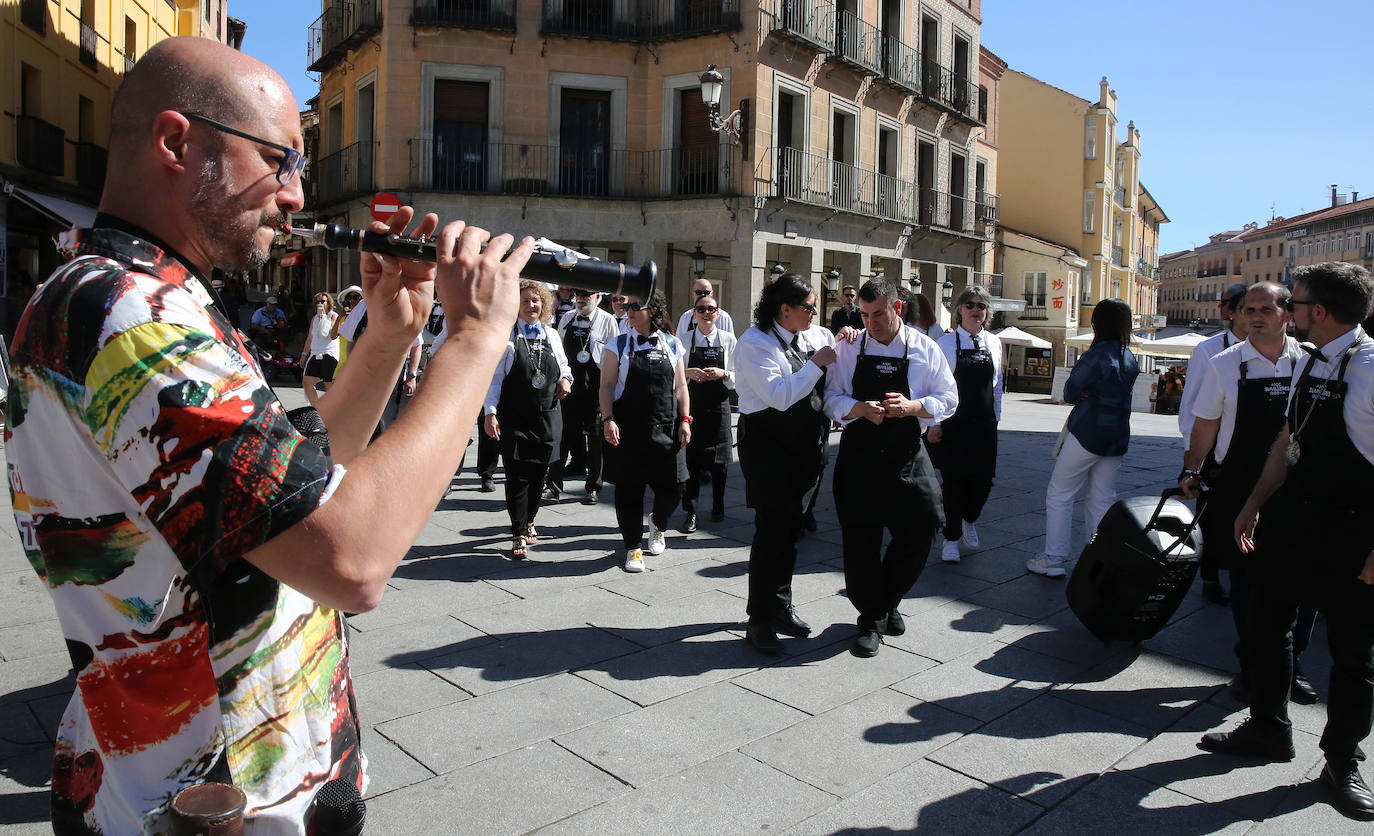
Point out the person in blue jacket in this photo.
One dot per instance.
(1098, 431)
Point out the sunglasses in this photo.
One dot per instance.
(978, 306)
(811, 308)
(634, 306)
(702, 292)
(1289, 303)
(288, 166)
(707, 310)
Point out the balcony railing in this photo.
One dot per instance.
(90, 165)
(947, 89)
(521, 169)
(344, 24)
(988, 207)
(39, 146)
(857, 42)
(1118, 258)
(90, 39)
(469, 14)
(1147, 272)
(1119, 196)
(1034, 312)
(901, 65)
(808, 21)
(344, 174)
(34, 14)
(638, 20)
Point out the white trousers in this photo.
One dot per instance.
(1073, 466)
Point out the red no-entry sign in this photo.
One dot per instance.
(384, 205)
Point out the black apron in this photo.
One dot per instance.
(1324, 503)
(782, 452)
(531, 422)
(582, 405)
(646, 415)
(883, 475)
(1260, 406)
(710, 401)
(969, 436)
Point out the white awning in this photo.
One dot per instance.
(63, 213)
(1012, 335)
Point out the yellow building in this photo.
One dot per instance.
(1064, 177)
(63, 60)
(583, 122)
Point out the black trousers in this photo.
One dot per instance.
(691, 489)
(488, 452)
(772, 560)
(1209, 566)
(968, 463)
(1240, 616)
(524, 483)
(629, 507)
(1283, 579)
(876, 581)
(582, 442)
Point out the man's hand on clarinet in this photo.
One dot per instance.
(399, 292)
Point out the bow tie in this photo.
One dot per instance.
(529, 330)
(652, 339)
(1311, 349)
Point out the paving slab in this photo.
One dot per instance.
(25, 641)
(668, 670)
(409, 642)
(670, 736)
(1138, 808)
(955, 628)
(24, 598)
(1028, 595)
(1044, 750)
(453, 736)
(516, 792)
(824, 678)
(509, 659)
(986, 682)
(652, 626)
(731, 793)
(437, 598)
(389, 693)
(389, 766)
(1152, 691)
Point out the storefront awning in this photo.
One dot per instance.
(63, 213)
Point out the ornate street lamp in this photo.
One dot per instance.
(947, 293)
(712, 82)
(698, 261)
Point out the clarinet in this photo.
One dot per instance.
(551, 266)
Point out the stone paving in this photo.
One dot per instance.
(562, 693)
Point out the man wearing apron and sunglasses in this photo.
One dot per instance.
(1238, 409)
(887, 384)
(1314, 541)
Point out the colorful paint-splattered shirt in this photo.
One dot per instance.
(146, 457)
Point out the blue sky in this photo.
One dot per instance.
(1244, 108)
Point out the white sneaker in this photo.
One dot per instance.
(970, 539)
(950, 552)
(1047, 565)
(634, 560)
(657, 542)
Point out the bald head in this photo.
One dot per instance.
(190, 74)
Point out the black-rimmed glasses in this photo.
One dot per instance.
(702, 292)
(634, 306)
(291, 163)
(811, 307)
(707, 310)
(976, 306)
(1289, 303)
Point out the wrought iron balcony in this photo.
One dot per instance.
(1119, 196)
(806, 21)
(468, 14)
(638, 20)
(1034, 312)
(901, 65)
(34, 14)
(589, 19)
(90, 40)
(857, 43)
(90, 165)
(522, 169)
(1118, 258)
(669, 19)
(39, 146)
(1148, 273)
(949, 90)
(344, 174)
(988, 207)
(344, 24)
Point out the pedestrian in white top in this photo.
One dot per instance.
(323, 355)
(688, 321)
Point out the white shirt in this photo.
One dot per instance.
(320, 344)
(604, 329)
(986, 339)
(1359, 391)
(508, 360)
(724, 339)
(928, 374)
(687, 322)
(1197, 370)
(764, 378)
(1218, 390)
(355, 317)
(667, 342)
(936, 331)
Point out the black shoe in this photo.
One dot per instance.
(488, 485)
(1251, 742)
(717, 515)
(689, 525)
(893, 624)
(868, 641)
(549, 495)
(809, 522)
(590, 499)
(1240, 689)
(1215, 593)
(1351, 794)
(786, 622)
(1302, 691)
(762, 637)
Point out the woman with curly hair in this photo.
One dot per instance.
(646, 423)
(522, 411)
